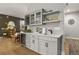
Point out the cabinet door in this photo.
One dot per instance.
(42, 47)
(28, 41)
(47, 47)
(39, 17)
(34, 43)
(27, 19)
(52, 47)
(36, 17)
(32, 19)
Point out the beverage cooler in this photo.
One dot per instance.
(23, 36)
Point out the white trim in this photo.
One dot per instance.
(74, 38)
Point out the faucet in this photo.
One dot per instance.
(50, 31)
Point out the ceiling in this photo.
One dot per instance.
(13, 9)
(21, 9)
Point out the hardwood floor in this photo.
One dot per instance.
(66, 47)
(71, 47)
(8, 47)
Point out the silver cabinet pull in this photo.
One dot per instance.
(46, 44)
(33, 41)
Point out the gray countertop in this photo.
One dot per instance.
(50, 35)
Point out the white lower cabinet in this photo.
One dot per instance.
(43, 44)
(52, 48)
(28, 39)
(47, 47)
(34, 43)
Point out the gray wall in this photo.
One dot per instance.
(72, 30)
(4, 20)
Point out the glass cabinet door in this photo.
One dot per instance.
(32, 20)
(38, 18)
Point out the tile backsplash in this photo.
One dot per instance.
(38, 28)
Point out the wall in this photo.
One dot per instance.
(72, 30)
(4, 21)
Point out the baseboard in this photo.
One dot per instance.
(32, 50)
(74, 38)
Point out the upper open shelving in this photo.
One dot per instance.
(53, 12)
(41, 16)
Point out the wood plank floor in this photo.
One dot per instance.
(8, 47)
(71, 47)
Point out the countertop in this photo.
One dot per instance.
(51, 35)
(47, 35)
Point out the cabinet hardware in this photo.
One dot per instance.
(46, 44)
(33, 41)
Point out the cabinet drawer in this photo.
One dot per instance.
(47, 38)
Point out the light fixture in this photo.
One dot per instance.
(7, 16)
(68, 10)
(11, 23)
